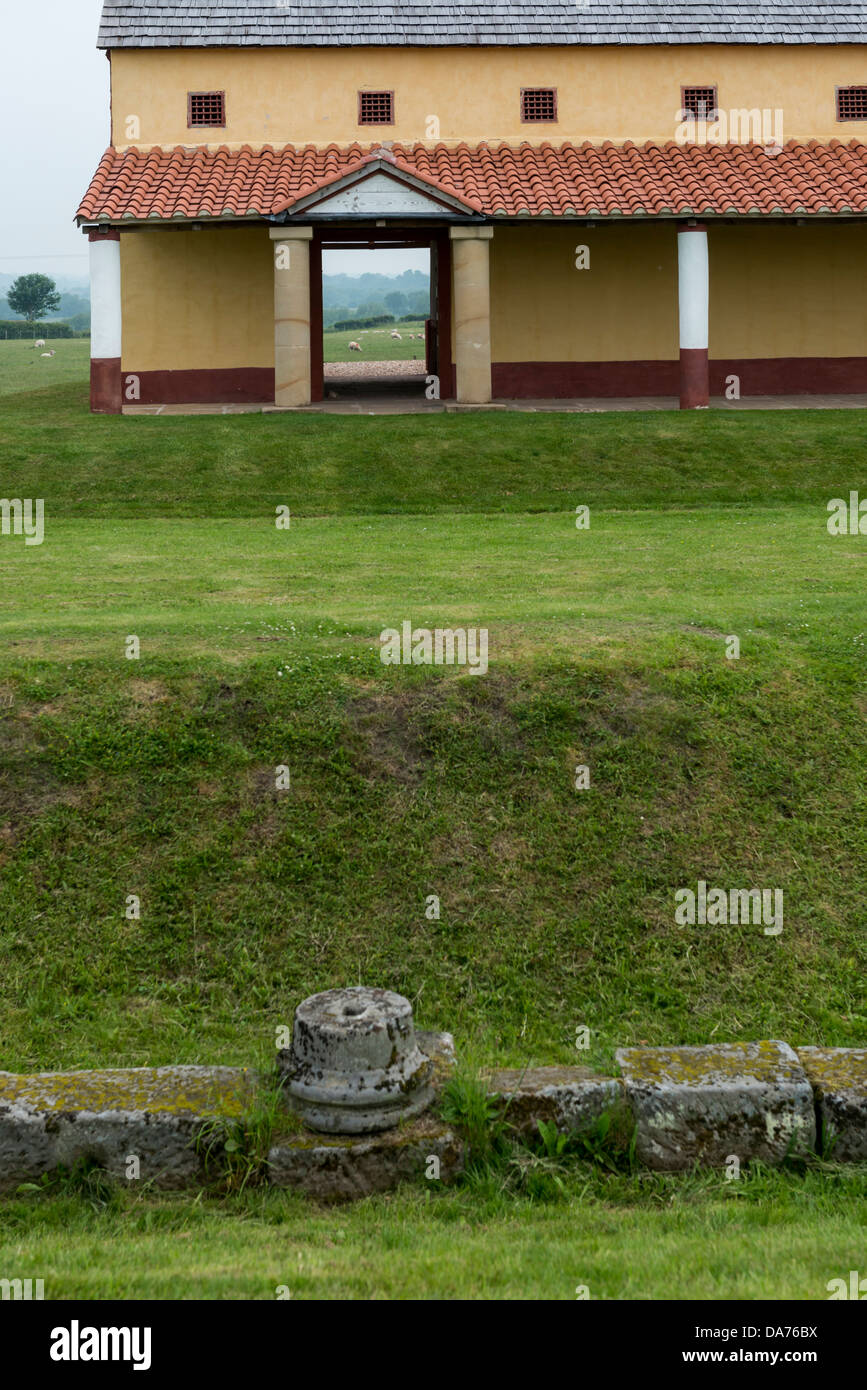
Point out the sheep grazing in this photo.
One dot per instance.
(40, 342)
(395, 334)
(355, 347)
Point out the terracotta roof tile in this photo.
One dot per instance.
(493, 180)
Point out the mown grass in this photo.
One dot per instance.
(156, 777)
(377, 344)
(244, 466)
(259, 648)
(768, 1235)
(23, 369)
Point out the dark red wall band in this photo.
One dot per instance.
(694, 378)
(105, 386)
(772, 376)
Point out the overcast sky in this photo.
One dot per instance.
(54, 114)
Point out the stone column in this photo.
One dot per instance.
(105, 322)
(472, 312)
(692, 298)
(291, 249)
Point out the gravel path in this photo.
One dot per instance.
(335, 371)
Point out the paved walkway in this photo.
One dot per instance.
(406, 396)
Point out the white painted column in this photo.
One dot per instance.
(693, 286)
(106, 322)
(472, 312)
(291, 250)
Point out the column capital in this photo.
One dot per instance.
(291, 232)
(474, 232)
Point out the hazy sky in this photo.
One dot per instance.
(54, 114)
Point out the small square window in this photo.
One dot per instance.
(376, 108)
(538, 103)
(698, 102)
(206, 108)
(852, 103)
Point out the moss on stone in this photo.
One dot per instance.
(225, 1091)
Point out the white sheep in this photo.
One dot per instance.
(355, 347)
(48, 354)
(395, 334)
(40, 342)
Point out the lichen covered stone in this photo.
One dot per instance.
(838, 1076)
(707, 1105)
(340, 1168)
(148, 1114)
(355, 1066)
(572, 1098)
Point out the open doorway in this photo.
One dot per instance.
(384, 307)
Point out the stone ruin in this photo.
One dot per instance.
(357, 1108)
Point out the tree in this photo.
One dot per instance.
(396, 302)
(31, 296)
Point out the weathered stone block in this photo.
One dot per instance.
(340, 1168)
(50, 1119)
(355, 1066)
(838, 1076)
(572, 1097)
(705, 1104)
(440, 1048)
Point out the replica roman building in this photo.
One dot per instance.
(621, 197)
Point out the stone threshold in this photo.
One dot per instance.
(374, 404)
(687, 1106)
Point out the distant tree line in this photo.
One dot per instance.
(14, 328)
(34, 296)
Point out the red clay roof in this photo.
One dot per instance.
(495, 180)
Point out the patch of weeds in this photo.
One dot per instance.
(86, 1178)
(475, 1113)
(234, 1152)
(610, 1142)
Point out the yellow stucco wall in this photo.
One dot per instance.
(205, 299)
(624, 308)
(290, 95)
(197, 299)
(775, 291)
(786, 291)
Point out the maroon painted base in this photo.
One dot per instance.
(776, 376)
(206, 386)
(791, 376)
(519, 380)
(758, 376)
(105, 386)
(694, 379)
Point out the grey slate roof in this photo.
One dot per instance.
(344, 23)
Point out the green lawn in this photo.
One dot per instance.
(23, 368)
(377, 344)
(259, 647)
(767, 1236)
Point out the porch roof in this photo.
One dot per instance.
(491, 181)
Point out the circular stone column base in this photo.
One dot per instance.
(354, 1066)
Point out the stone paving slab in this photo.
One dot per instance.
(373, 401)
(50, 1119)
(573, 1098)
(838, 1076)
(703, 1105)
(340, 1168)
